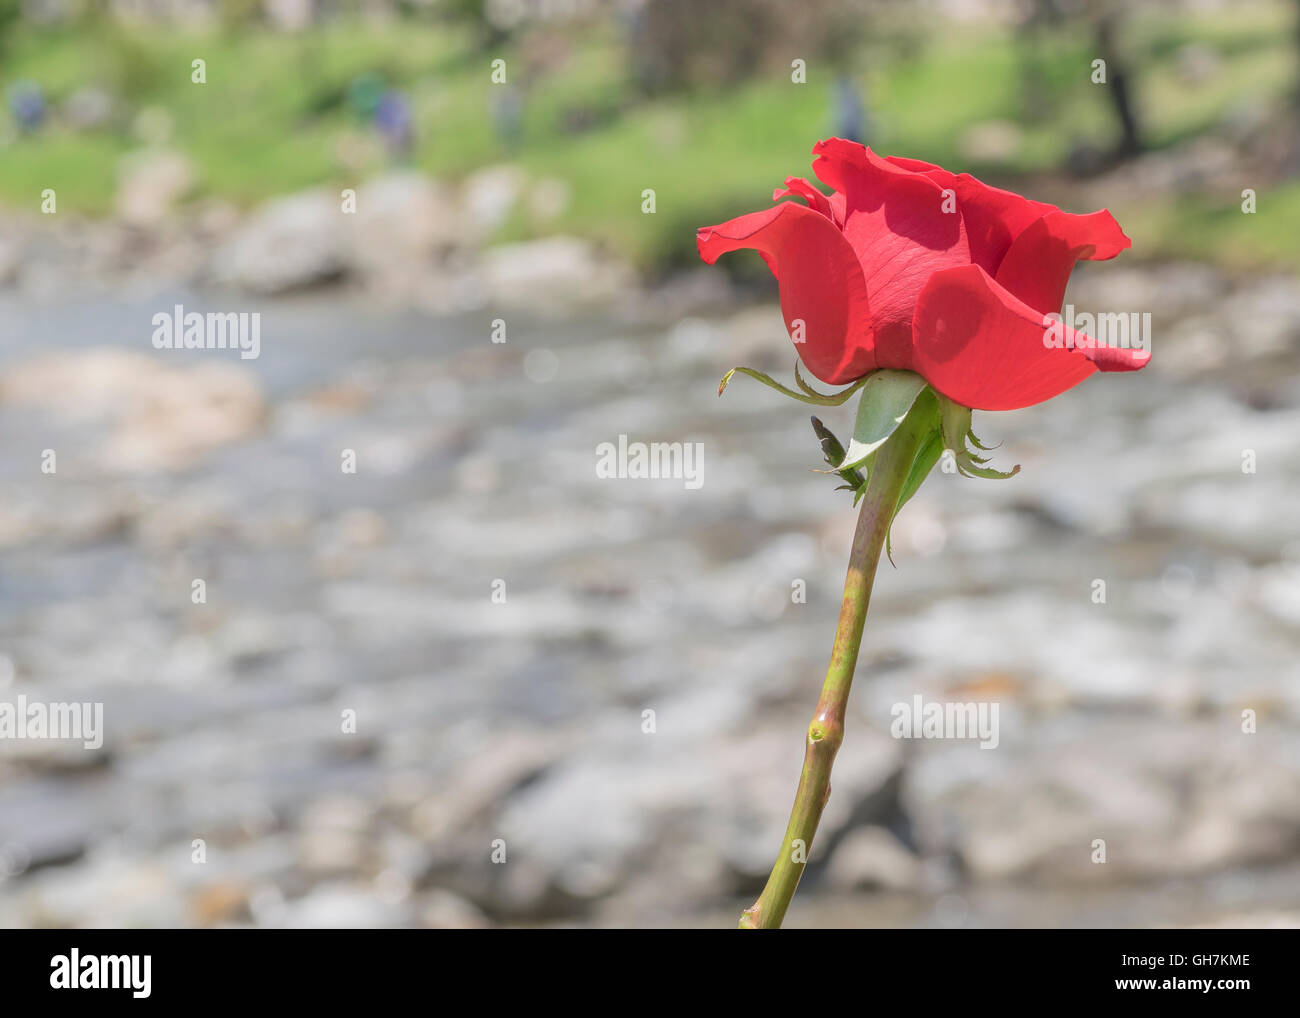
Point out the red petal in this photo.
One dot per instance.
(1039, 261)
(896, 224)
(821, 283)
(983, 348)
(915, 165)
(797, 187)
(994, 218)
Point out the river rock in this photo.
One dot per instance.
(289, 243)
(151, 182)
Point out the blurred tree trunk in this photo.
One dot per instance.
(1296, 97)
(1117, 80)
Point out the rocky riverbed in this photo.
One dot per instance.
(401, 675)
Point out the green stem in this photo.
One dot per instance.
(826, 731)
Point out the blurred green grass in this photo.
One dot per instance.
(273, 118)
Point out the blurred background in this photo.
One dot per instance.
(400, 673)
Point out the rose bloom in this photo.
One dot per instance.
(909, 266)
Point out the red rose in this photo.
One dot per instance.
(882, 275)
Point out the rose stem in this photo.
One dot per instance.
(826, 731)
